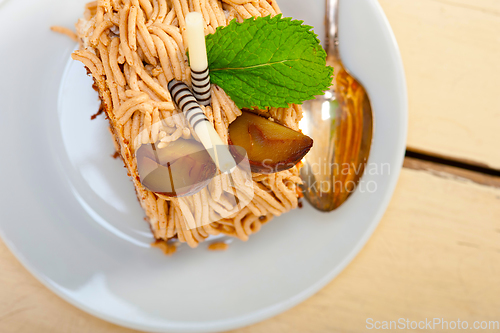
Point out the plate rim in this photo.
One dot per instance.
(271, 311)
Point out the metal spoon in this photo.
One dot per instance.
(341, 125)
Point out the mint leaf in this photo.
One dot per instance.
(268, 62)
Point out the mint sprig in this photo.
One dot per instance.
(268, 62)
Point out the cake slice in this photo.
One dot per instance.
(131, 48)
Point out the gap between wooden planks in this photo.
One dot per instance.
(450, 51)
(448, 168)
(436, 253)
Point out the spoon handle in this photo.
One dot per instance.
(332, 29)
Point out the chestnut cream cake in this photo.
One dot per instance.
(136, 51)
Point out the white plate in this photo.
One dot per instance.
(69, 213)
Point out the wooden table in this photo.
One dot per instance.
(436, 253)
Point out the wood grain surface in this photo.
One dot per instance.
(450, 51)
(436, 253)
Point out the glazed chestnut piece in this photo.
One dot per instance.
(271, 147)
(180, 169)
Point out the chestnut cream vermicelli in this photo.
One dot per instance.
(133, 48)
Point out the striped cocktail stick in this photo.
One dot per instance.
(184, 99)
(201, 86)
(198, 61)
(188, 104)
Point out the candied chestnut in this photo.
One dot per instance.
(271, 147)
(180, 169)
